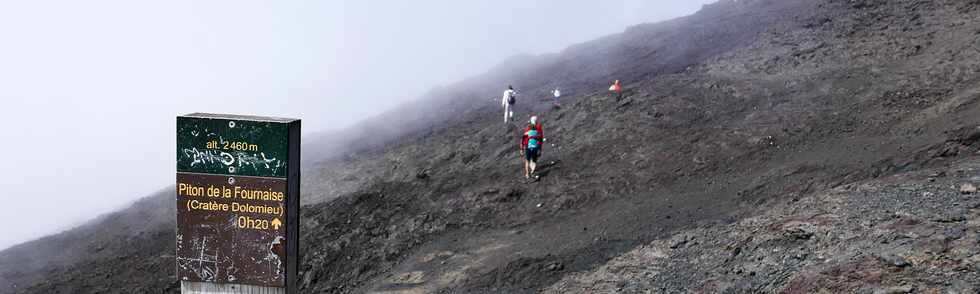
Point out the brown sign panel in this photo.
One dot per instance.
(231, 229)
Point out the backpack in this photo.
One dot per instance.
(532, 139)
(512, 99)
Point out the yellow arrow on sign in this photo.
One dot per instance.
(276, 223)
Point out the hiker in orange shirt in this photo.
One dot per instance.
(616, 89)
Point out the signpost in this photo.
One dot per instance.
(237, 203)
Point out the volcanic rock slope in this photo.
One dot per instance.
(761, 146)
(129, 251)
(824, 94)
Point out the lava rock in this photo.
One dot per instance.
(895, 290)
(968, 188)
(894, 260)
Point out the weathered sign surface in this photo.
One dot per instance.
(241, 218)
(237, 199)
(236, 147)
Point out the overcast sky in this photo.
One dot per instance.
(89, 89)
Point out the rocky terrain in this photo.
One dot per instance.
(909, 232)
(761, 146)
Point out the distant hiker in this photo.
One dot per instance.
(616, 89)
(531, 143)
(557, 94)
(510, 97)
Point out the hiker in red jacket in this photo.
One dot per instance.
(616, 89)
(531, 142)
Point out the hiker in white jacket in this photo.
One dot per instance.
(557, 94)
(510, 96)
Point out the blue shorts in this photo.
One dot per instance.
(532, 154)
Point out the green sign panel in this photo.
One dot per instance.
(233, 145)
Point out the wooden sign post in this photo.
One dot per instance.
(237, 204)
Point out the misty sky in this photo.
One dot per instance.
(89, 89)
